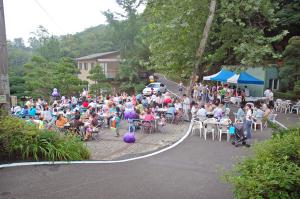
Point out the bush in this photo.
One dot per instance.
(273, 172)
(290, 95)
(22, 141)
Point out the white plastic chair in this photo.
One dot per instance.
(227, 112)
(224, 130)
(285, 106)
(209, 128)
(256, 122)
(278, 105)
(296, 108)
(197, 125)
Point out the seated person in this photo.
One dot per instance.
(218, 111)
(258, 114)
(61, 121)
(85, 104)
(32, 111)
(149, 116)
(240, 113)
(139, 106)
(208, 108)
(201, 113)
(194, 109)
(171, 110)
(266, 115)
(25, 111)
(178, 104)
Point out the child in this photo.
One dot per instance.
(115, 124)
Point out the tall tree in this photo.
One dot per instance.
(173, 34)
(100, 82)
(65, 77)
(128, 34)
(290, 72)
(201, 48)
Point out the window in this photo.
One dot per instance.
(80, 66)
(104, 68)
(270, 83)
(92, 65)
(275, 84)
(85, 66)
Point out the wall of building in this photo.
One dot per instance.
(272, 80)
(85, 66)
(259, 73)
(110, 67)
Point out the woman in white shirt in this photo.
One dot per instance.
(248, 124)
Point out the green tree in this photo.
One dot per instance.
(65, 77)
(290, 72)
(241, 32)
(173, 32)
(127, 31)
(38, 77)
(100, 82)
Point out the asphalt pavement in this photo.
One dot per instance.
(191, 170)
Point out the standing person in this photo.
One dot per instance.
(247, 92)
(195, 93)
(180, 87)
(222, 93)
(186, 107)
(116, 124)
(248, 120)
(271, 99)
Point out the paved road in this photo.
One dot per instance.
(190, 170)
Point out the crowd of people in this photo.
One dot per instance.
(213, 102)
(87, 115)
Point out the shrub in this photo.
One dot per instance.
(273, 171)
(290, 95)
(22, 141)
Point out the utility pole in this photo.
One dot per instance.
(4, 83)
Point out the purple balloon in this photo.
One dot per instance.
(55, 93)
(129, 137)
(129, 114)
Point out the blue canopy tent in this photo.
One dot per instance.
(244, 78)
(221, 76)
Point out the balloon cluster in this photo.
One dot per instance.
(55, 93)
(129, 114)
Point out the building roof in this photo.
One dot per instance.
(96, 55)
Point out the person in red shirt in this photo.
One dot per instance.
(149, 116)
(85, 104)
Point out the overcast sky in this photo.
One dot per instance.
(58, 16)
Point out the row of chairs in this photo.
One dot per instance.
(210, 128)
(286, 106)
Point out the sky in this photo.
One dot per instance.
(59, 17)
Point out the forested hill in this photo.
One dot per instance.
(92, 40)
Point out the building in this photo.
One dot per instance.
(109, 61)
(268, 74)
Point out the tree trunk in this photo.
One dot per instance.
(201, 48)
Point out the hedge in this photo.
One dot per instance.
(273, 171)
(22, 141)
